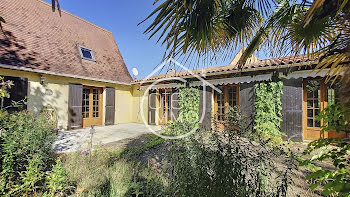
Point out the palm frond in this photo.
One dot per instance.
(203, 28)
(316, 4)
(55, 4)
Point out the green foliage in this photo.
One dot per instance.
(336, 180)
(189, 105)
(268, 107)
(334, 118)
(30, 178)
(25, 140)
(188, 113)
(221, 163)
(57, 180)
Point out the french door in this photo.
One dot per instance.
(164, 98)
(317, 96)
(223, 102)
(92, 106)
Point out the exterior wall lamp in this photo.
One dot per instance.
(42, 80)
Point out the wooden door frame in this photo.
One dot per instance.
(97, 120)
(323, 105)
(220, 124)
(226, 97)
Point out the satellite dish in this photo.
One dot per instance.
(135, 72)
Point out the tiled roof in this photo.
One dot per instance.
(264, 64)
(38, 38)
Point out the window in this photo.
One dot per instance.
(96, 103)
(333, 91)
(313, 89)
(86, 104)
(226, 100)
(319, 95)
(86, 53)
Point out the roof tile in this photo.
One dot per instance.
(38, 38)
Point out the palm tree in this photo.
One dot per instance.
(216, 27)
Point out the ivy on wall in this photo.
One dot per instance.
(189, 105)
(268, 107)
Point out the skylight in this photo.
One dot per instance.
(86, 53)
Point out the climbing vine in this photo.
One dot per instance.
(189, 105)
(268, 108)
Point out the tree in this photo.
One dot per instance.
(284, 27)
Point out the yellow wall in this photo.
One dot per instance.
(56, 93)
(137, 98)
(123, 105)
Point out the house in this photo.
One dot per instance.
(65, 62)
(305, 93)
(76, 68)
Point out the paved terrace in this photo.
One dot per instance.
(78, 140)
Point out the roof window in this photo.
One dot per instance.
(86, 53)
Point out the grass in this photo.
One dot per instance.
(114, 173)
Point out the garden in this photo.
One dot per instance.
(237, 161)
(243, 159)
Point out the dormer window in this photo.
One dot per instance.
(86, 53)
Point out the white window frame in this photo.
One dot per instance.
(82, 56)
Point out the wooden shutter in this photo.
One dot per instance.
(247, 103)
(75, 106)
(110, 106)
(152, 98)
(292, 109)
(18, 92)
(207, 94)
(174, 104)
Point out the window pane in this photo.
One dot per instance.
(86, 53)
(310, 123)
(313, 89)
(310, 103)
(310, 113)
(333, 92)
(232, 96)
(317, 111)
(317, 124)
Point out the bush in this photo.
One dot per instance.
(57, 180)
(334, 181)
(223, 163)
(25, 147)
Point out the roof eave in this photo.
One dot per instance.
(306, 63)
(39, 71)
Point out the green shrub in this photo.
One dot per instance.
(221, 163)
(334, 181)
(25, 139)
(57, 180)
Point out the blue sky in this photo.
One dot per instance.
(122, 17)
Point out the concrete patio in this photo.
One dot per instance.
(78, 140)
